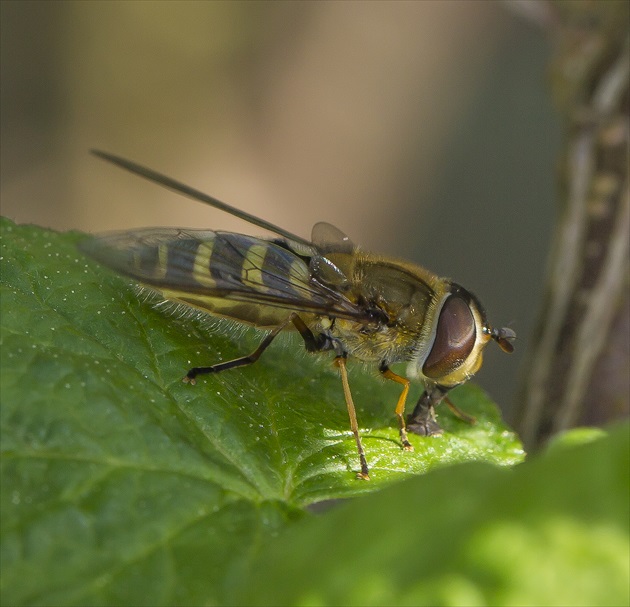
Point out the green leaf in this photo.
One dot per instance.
(122, 485)
(553, 531)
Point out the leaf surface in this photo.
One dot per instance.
(123, 485)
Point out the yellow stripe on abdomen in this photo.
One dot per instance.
(251, 271)
(201, 266)
(162, 267)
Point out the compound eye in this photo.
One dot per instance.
(454, 339)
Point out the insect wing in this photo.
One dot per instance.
(192, 265)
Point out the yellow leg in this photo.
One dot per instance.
(459, 413)
(340, 362)
(400, 406)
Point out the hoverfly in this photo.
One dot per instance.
(338, 297)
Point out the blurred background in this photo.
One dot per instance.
(424, 130)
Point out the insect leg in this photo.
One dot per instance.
(400, 406)
(459, 413)
(340, 361)
(317, 343)
(311, 342)
(237, 362)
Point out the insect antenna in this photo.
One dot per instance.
(181, 188)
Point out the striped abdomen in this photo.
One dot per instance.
(249, 279)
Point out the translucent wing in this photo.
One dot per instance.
(204, 268)
(210, 269)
